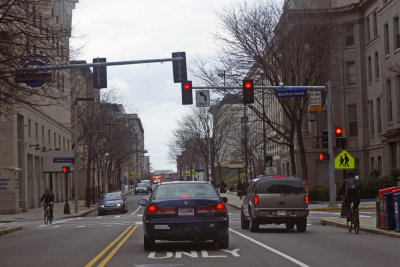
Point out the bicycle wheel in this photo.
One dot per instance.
(46, 217)
(356, 221)
(350, 222)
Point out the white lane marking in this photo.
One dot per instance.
(338, 213)
(62, 221)
(139, 223)
(136, 211)
(139, 215)
(271, 249)
(117, 216)
(99, 217)
(309, 224)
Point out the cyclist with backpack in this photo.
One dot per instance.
(351, 189)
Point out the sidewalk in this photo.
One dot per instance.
(37, 214)
(367, 224)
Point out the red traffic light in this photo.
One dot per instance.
(186, 86)
(338, 131)
(248, 85)
(321, 156)
(65, 169)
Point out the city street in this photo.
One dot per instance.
(117, 240)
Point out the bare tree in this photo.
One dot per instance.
(31, 27)
(260, 40)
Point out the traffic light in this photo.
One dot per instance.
(187, 94)
(323, 156)
(65, 169)
(325, 138)
(248, 92)
(99, 74)
(340, 140)
(179, 67)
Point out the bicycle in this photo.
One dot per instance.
(48, 219)
(354, 221)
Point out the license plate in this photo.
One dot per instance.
(281, 213)
(161, 227)
(186, 211)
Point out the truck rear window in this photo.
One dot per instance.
(281, 186)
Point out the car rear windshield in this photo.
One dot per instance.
(185, 190)
(281, 186)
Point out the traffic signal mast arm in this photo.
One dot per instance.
(77, 66)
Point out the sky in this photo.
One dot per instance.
(123, 30)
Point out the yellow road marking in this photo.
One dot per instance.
(92, 262)
(112, 253)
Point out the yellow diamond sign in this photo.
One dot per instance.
(344, 161)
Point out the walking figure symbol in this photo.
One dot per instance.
(346, 159)
(341, 160)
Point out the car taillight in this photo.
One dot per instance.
(165, 210)
(151, 209)
(255, 199)
(306, 199)
(211, 209)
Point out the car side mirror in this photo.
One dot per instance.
(224, 199)
(142, 202)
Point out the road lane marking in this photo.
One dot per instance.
(92, 262)
(270, 249)
(112, 253)
(136, 211)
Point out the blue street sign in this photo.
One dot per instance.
(199, 170)
(63, 160)
(292, 92)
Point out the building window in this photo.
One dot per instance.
(367, 29)
(371, 118)
(55, 140)
(389, 100)
(352, 118)
(369, 69)
(351, 73)
(37, 131)
(43, 134)
(29, 128)
(377, 75)
(386, 38)
(398, 96)
(372, 163)
(349, 35)
(396, 32)
(375, 24)
(378, 114)
(380, 164)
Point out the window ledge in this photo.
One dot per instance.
(397, 50)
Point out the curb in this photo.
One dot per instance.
(10, 230)
(325, 222)
(322, 209)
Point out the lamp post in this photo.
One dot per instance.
(76, 148)
(105, 180)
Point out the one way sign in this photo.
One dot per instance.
(202, 98)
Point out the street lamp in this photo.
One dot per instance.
(105, 180)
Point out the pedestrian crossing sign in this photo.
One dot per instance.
(344, 161)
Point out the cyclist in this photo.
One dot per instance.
(351, 189)
(48, 198)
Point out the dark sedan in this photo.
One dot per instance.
(141, 188)
(180, 211)
(112, 202)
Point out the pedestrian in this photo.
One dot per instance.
(122, 188)
(222, 188)
(240, 189)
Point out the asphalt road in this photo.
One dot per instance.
(117, 240)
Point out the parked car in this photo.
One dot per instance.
(185, 210)
(112, 202)
(148, 183)
(141, 188)
(275, 199)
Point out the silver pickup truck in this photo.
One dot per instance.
(275, 199)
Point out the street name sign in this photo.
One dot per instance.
(344, 161)
(235, 164)
(270, 171)
(291, 92)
